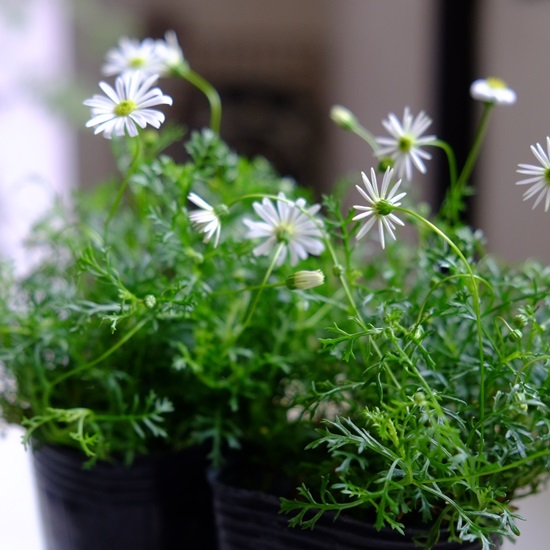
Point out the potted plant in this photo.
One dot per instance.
(186, 307)
(440, 418)
(147, 340)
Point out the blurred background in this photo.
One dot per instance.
(279, 67)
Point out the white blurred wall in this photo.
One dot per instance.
(37, 162)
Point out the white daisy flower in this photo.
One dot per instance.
(380, 206)
(131, 56)
(126, 105)
(169, 53)
(206, 219)
(539, 179)
(289, 224)
(492, 90)
(404, 147)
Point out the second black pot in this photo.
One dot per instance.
(250, 520)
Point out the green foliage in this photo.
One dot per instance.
(424, 370)
(133, 335)
(440, 413)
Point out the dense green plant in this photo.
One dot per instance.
(442, 411)
(163, 314)
(138, 331)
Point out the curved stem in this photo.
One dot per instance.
(451, 159)
(262, 286)
(102, 357)
(476, 303)
(365, 135)
(211, 95)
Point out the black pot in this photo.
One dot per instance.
(158, 503)
(250, 520)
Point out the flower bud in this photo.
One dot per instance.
(150, 301)
(384, 164)
(520, 320)
(304, 280)
(343, 117)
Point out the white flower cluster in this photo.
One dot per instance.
(288, 228)
(137, 66)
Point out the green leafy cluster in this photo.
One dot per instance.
(132, 335)
(440, 414)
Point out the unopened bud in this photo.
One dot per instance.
(384, 164)
(304, 280)
(150, 301)
(520, 320)
(343, 117)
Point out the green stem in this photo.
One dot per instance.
(365, 135)
(476, 303)
(102, 357)
(135, 158)
(451, 159)
(270, 269)
(209, 91)
(476, 147)
(454, 200)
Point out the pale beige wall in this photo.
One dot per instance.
(382, 58)
(514, 46)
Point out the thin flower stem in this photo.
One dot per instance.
(528, 364)
(262, 286)
(246, 289)
(451, 159)
(476, 146)
(365, 135)
(135, 158)
(209, 91)
(455, 196)
(130, 334)
(476, 301)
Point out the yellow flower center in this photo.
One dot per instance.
(496, 83)
(284, 233)
(137, 62)
(125, 107)
(404, 144)
(547, 176)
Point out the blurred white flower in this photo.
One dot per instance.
(404, 148)
(381, 205)
(492, 90)
(131, 56)
(206, 219)
(290, 224)
(169, 53)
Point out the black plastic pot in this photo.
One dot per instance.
(159, 503)
(250, 520)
